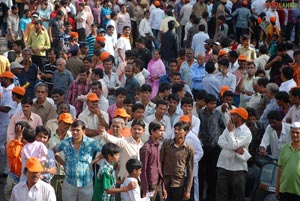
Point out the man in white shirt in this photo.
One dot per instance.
(198, 41)
(123, 43)
(232, 162)
(110, 41)
(156, 17)
(276, 134)
(93, 117)
(287, 78)
(33, 188)
(80, 19)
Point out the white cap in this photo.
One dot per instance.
(295, 125)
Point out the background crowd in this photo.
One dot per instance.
(138, 100)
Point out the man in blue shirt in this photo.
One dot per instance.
(197, 73)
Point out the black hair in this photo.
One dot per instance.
(201, 27)
(173, 60)
(110, 149)
(183, 125)
(295, 91)
(161, 102)
(38, 22)
(29, 134)
(228, 93)
(263, 49)
(96, 83)
(78, 123)
(133, 164)
(263, 81)
(57, 91)
(18, 96)
(287, 72)
(164, 86)
(224, 62)
(251, 112)
(187, 100)
(20, 43)
(259, 71)
(128, 100)
(120, 91)
(174, 97)
(126, 27)
(23, 124)
(43, 129)
(42, 85)
(154, 126)
(140, 64)
(177, 88)
(98, 72)
(200, 95)
(210, 67)
(137, 106)
(171, 24)
(27, 100)
(210, 98)
(145, 87)
(233, 54)
(274, 115)
(138, 122)
(63, 102)
(282, 95)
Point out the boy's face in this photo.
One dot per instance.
(211, 105)
(115, 157)
(42, 137)
(137, 131)
(161, 110)
(128, 108)
(139, 114)
(172, 103)
(145, 95)
(137, 172)
(187, 108)
(120, 98)
(179, 133)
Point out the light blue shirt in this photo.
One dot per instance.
(197, 74)
(272, 105)
(211, 84)
(228, 80)
(23, 23)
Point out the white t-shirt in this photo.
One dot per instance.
(134, 194)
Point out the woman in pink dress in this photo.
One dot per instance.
(156, 69)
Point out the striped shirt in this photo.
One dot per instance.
(90, 39)
(78, 163)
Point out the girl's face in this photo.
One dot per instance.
(156, 55)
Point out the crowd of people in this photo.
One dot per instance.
(136, 100)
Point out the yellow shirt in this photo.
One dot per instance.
(40, 40)
(248, 52)
(4, 64)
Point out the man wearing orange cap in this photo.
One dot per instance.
(156, 17)
(18, 94)
(33, 188)
(93, 116)
(243, 15)
(6, 104)
(232, 162)
(272, 29)
(245, 48)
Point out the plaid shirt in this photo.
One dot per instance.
(78, 163)
(105, 180)
(76, 89)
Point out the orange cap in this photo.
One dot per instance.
(100, 39)
(74, 34)
(92, 97)
(259, 20)
(223, 89)
(34, 165)
(273, 19)
(65, 117)
(241, 112)
(242, 58)
(222, 52)
(185, 118)
(7, 74)
(157, 3)
(104, 55)
(120, 112)
(19, 90)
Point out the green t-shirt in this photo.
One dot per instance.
(289, 161)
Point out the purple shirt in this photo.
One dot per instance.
(151, 170)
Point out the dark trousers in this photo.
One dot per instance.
(39, 61)
(81, 34)
(174, 193)
(208, 172)
(289, 197)
(157, 193)
(231, 185)
(56, 183)
(240, 32)
(21, 9)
